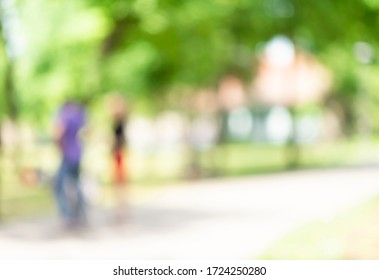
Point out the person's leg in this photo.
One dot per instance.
(77, 201)
(59, 191)
(120, 186)
(119, 167)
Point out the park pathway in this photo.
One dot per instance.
(212, 219)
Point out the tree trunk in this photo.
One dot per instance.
(10, 103)
(293, 149)
(9, 93)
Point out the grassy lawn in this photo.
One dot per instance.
(29, 203)
(165, 167)
(351, 235)
(247, 159)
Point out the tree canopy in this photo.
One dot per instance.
(144, 48)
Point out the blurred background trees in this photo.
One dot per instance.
(208, 70)
(147, 48)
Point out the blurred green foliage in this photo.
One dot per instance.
(145, 48)
(152, 49)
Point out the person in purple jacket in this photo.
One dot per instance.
(67, 189)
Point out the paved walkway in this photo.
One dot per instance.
(211, 219)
